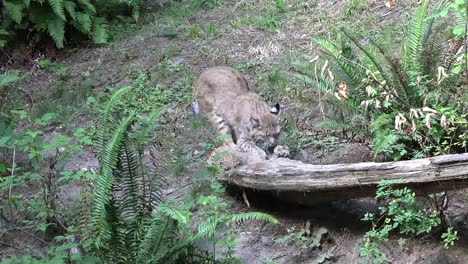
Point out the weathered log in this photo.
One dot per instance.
(311, 184)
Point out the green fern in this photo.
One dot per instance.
(350, 68)
(83, 22)
(414, 41)
(87, 6)
(71, 9)
(102, 193)
(58, 8)
(56, 29)
(100, 30)
(15, 10)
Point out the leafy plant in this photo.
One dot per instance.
(400, 213)
(406, 101)
(54, 17)
(127, 222)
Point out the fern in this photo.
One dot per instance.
(87, 6)
(251, 216)
(100, 30)
(71, 9)
(102, 193)
(58, 8)
(15, 10)
(106, 118)
(56, 29)
(331, 125)
(83, 22)
(415, 38)
(351, 70)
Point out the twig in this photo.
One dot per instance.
(34, 236)
(9, 245)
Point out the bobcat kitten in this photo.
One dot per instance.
(224, 95)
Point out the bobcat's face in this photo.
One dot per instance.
(265, 130)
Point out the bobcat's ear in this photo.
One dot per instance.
(275, 109)
(255, 122)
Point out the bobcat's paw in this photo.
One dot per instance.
(281, 152)
(251, 147)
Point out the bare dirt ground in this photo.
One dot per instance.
(258, 53)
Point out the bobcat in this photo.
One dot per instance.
(224, 95)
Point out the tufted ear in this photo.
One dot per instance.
(255, 122)
(275, 109)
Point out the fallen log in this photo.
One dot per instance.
(310, 184)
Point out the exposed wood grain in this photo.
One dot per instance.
(310, 184)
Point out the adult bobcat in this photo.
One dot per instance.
(224, 95)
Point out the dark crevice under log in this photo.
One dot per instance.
(309, 184)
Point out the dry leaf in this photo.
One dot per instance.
(441, 74)
(314, 59)
(427, 109)
(443, 122)
(428, 120)
(413, 126)
(377, 104)
(337, 96)
(324, 67)
(330, 74)
(342, 90)
(390, 3)
(397, 123)
(413, 113)
(368, 90)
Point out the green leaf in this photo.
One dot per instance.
(57, 7)
(84, 22)
(100, 31)
(87, 6)
(15, 9)
(70, 7)
(56, 29)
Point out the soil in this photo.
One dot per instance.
(337, 224)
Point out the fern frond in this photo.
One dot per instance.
(415, 36)
(8, 77)
(130, 184)
(141, 137)
(105, 118)
(208, 227)
(371, 57)
(87, 6)
(135, 11)
(333, 125)
(402, 87)
(159, 238)
(349, 67)
(15, 10)
(100, 31)
(71, 8)
(57, 7)
(250, 216)
(56, 30)
(178, 215)
(3, 38)
(102, 193)
(83, 22)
